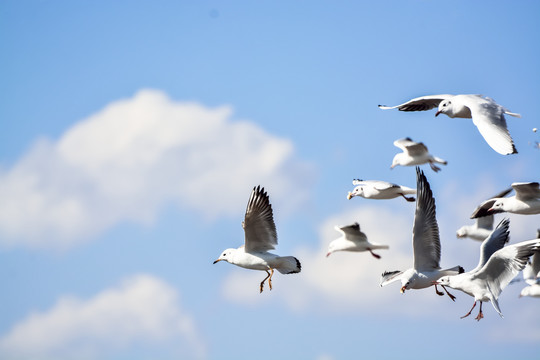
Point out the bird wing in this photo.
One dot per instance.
(352, 232)
(383, 185)
(488, 116)
(505, 264)
(410, 146)
(485, 222)
(421, 103)
(259, 226)
(527, 190)
(481, 210)
(389, 277)
(425, 238)
(495, 241)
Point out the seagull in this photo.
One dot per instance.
(498, 265)
(483, 225)
(352, 239)
(526, 201)
(415, 153)
(377, 189)
(486, 114)
(531, 275)
(426, 246)
(260, 237)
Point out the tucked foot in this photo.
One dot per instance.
(410, 198)
(374, 255)
(434, 168)
(480, 316)
(470, 311)
(448, 293)
(438, 292)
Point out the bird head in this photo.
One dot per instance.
(357, 191)
(444, 107)
(226, 255)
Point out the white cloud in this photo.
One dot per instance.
(129, 159)
(143, 310)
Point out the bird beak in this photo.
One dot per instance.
(328, 254)
(349, 196)
(437, 113)
(402, 290)
(490, 210)
(217, 261)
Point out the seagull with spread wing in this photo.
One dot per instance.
(378, 189)
(260, 237)
(498, 265)
(486, 114)
(426, 246)
(415, 153)
(352, 239)
(526, 201)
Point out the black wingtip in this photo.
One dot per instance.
(461, 270)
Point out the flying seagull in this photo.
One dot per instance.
(260, 237)
(486, 114)
(526, 201)
(378, 189)
(415, 153)
(531, 275)
(426, 246)
(352, 239)
(498, 265)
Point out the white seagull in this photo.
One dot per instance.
(526, 201)
(482, 227)
(378, 189)
(486, 114)
(415, 153)
(531, 275)
(352, 239)
(498, 265)
(260, 237)
(426, 246)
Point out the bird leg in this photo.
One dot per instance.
(435, 168)
(374, 255)
(470, 311)
(437, 291)
(270, 278)
(262, 282)
(447, 293)
(410, 198)
(480, 314)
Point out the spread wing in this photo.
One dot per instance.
(495, 241)
(481, 210)
(422, 103)
(259, 226)
(527, 191)
(389, 277)
(488, 117)
(426, 242)
(412, 147)
(505, 264)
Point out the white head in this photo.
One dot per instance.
(331, 248)
(445, 107)
(444, 280)
(357, 191)
(226, 255)
(498, 206)
(397, 160)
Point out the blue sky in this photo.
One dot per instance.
(134, 132)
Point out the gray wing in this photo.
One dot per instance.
(383, 185)
(527, 190)
(485, 222)
(505, 264)
(410, 146)
(352, 232)
(259, 226)
(426, 242)
(495, 241)
(481, 210)
(388, 277)
(488, 117)
(422, 103)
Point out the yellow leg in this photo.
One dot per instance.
(262, 282)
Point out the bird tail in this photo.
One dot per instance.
(289, 265)
(439, 160)
(453, 271)
(378, 246)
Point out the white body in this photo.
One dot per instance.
(414, 153)
(352, 239)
